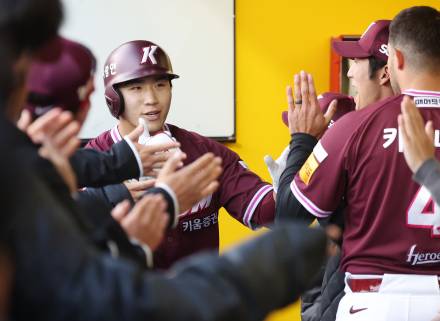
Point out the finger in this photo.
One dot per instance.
(153, 173)
(143, 185)
(429, 130)
(139, 208)
(402, 129)
(199, 166)
(304, 88)
(58, 124)
(161, 157)
(36, 130)
(210, 189)
(137, 195)
(121, 210)
(163, 147)
(289, 94)
(297, 87)
(312, 92)
(135, 133)
(163, 223)
(404, 116)
(25, 120)
(331, 111)
(65, 134)
(157, 210)
(411, 113)
(208, 173)
(157, 166)
(269, 161)
(172, 163)
(70, 147)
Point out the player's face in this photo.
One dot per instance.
(149, 98)
(367, 89)
(392, 69)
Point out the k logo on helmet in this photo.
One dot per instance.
(149, 54)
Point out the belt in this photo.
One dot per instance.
(366, 285)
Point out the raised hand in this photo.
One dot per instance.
(304, 114)
(146, 222)
(192, 182)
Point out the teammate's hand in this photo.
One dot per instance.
(277, 167)
(305, 115)
(57, 133)
(138, 188)
(194, 181)
(145, 222)
(153, 157)
(418, 139)
(25, 120)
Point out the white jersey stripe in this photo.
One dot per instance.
(416, 93)
(114, 133)
(308, 204)
(259, 195)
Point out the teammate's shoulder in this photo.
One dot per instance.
(180, 133)
(204, 144)
(382, 105)
(101, 142)
(183, 134)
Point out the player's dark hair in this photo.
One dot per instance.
(28, 24)
(416, 32)
(25, 25)
(374, 64)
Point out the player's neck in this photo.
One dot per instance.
(385, 92)
(425, 81)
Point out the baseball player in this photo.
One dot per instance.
(137, 80)
(390, 242)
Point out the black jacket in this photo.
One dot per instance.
(321, 301)
(61, 275)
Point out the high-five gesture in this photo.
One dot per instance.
(305, 115)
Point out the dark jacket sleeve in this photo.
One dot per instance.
(94, 168)
(109, 195)
(60, 276)
(287, 206)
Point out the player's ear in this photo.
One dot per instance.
(400, 58)
(384, 75)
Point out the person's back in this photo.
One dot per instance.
(384, 205)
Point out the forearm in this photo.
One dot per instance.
(96, 169)
(110, 195)
(287, 206)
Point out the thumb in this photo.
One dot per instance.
(121, 210)
(429, 129)
(25, 120)
(134, 135)
(331, 110)
(269, 161)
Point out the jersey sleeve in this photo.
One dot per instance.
(320, 183)
(242, 193)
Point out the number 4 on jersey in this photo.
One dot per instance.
(424, 212)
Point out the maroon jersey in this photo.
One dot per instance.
(389, 218)
(241, 193)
